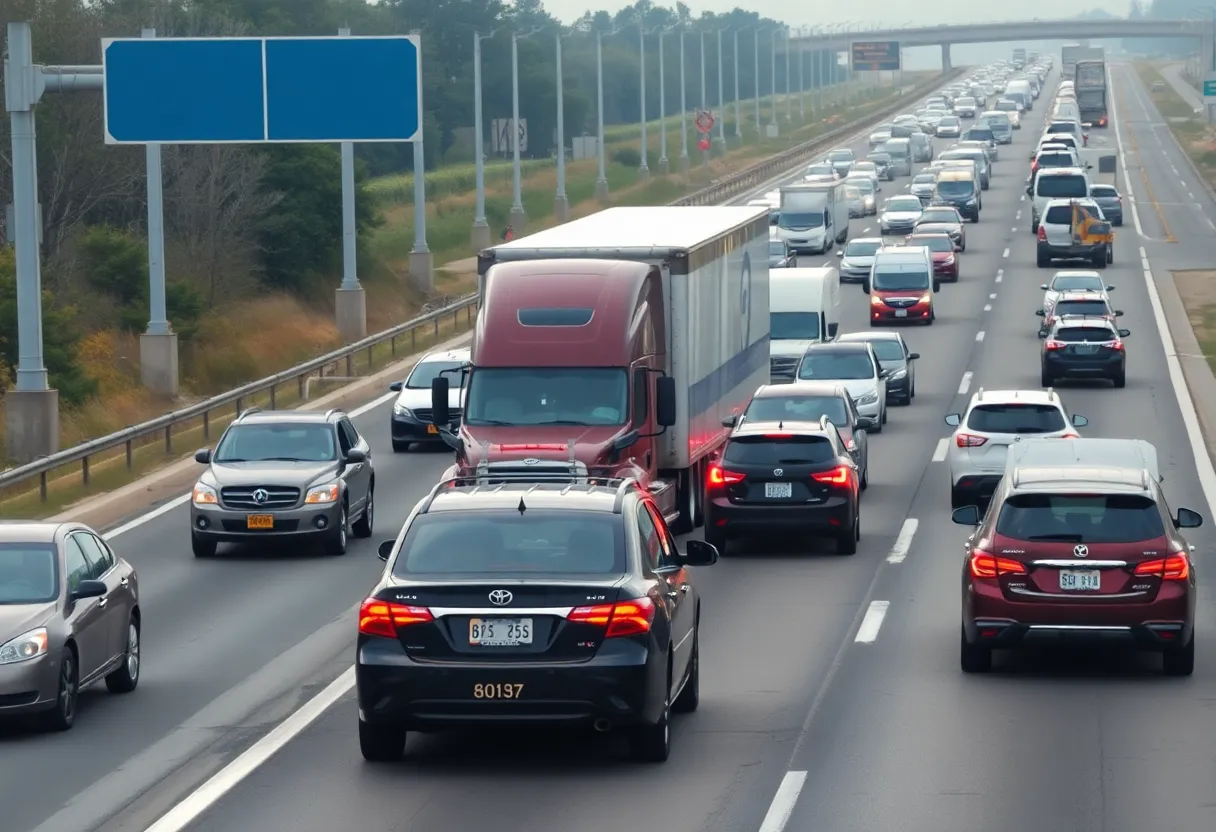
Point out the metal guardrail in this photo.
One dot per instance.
(132, 436)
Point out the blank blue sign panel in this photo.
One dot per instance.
(243, 90)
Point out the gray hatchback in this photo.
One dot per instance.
(288, 475)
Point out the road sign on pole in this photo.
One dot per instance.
(705, 121)
(253, 90)
(877, 56)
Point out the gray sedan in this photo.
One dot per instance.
(1110, 201)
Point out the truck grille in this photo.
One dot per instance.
(424, 414)
(277, 497)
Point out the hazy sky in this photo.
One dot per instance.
(888, 12)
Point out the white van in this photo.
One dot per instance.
(1055, 183)
(1020, 86)
(804, 309)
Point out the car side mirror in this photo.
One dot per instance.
(1079, 421)
(1118, 313)
(440, 410)
(203, 456)
(356, 455)
(730, 421)
(1124, 333)
(1187, 519)
(96, 589)
(966, 516)
(385, 549)
(912, 356)
(396, 386)
(1043, 287)
(665, 401)
(866, 423)
(1041, 313)
(699, 553)
(954, 419)
(1110, 288)
(840, 253)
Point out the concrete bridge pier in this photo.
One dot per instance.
(946, 65)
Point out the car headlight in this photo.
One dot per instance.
(24, 647)
(949, 261)
(401, 410)
(868, 398)
(897, 374)
(322, 494)
(204, 495)
(926, 298)
(875, 300)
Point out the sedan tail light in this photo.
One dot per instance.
(720, 476)
(385, 618)
(969, 440)
(1052, 344)
(1117, 346)
(837, 476)
(624, 618)
(987, 565)
(1173, 568)
(1042, 233)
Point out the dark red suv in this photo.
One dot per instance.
(1078, 553)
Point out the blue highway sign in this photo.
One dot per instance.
(253, 90)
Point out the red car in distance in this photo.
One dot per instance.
(943, 250)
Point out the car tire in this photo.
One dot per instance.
(1119, 223)
(717, 538)
(381, 742)
(958, 499)
(846, 541)
(335, 541)
(1045, 379)
(1180, 662)
(865, 476)
(126, 678)
(690, 696)
(973, 658)
(365, 525)
(1042, 262)
(400, 447)
(1099, 260)
(1120, 381)
(63, 716)
(884, 415)
(202, 547)
(652, 743)
(1110, 254)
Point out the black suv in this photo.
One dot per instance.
(285, 474)
(539, 598)
(1084, 348)
(783, 477)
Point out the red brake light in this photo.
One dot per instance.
(1070, 435)
(550, 447)
(778, 435)
(384, 618)
(624, 618)
(984, 565)
(837, 476)
(1173, 568)
(1053, 344)
(969, 440)
(1042, 234)
(1117, 346)
(720, 476)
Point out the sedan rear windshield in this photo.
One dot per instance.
(798, 409)
(1062, 187)
(830, 366)
(1016, 418)
(1055, 160)
(1077, 334)
(1080, 307)
(1080, 518)
(29, 573)
(861, 249)
(778, 450)
(512, 542)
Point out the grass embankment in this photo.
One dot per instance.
(273, 333)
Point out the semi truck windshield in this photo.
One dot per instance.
(547, 396)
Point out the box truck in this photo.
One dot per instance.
(813, 216)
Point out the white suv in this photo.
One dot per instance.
(994, 420)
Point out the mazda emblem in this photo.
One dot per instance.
(778, 472)
(261, 495)
(500, 597)
(1081, 550)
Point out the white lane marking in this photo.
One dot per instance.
(1015, 229)
(1208, 219)
(867, 633)
(162, 510)
(987, 307)
(1022, 198)
(224, 780)
(863, 231)
(1018, 215)
(1000, 276)
(992, 296)
(1127, 177)
(965, 384)
(782, 807)
(1005, 253)
(903, 541)
(939, 453)
(979, 336)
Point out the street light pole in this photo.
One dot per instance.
(721, 99)
(756, 82)
(704, 99)
(644, 170)
(802, 73)
(480, 236)
(789, 115)
(683, 109)
(738, 109)
(772, 54)
(561, 204)
(601, 179)
(663, 164)
(518, 219)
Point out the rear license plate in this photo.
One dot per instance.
(1088, 581)
(1087, 349)
(777, 490)
(500, 632)
(259, 521)
(901, 313)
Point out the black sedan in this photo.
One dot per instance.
(1084, 349)
(894, 357)
(531, 603)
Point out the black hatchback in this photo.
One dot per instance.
(796, 479)
(538, 599)
(1084, 348)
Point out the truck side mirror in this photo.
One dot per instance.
(833, 328)
(665, 401)
(440, 411)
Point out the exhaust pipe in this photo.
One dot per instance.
(602, 725)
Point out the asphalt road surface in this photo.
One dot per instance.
(832, 700)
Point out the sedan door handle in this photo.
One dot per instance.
(685, 587)
(104, 600)
(125, 582)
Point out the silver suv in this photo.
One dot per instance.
(286, 475)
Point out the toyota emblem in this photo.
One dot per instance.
(1081, 550)
(778, 472)
(500, 597)
(261, 495)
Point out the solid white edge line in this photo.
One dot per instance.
(223, 781)
(903, 542)
(943, 445)
(782, 807)
(867, 633)
(965, 384)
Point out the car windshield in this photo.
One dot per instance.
(901, 281)
(836, 365)
(975, 134)
(1016, 418)
(801, 220)
(1062, 187)
(29, 573)
(776, 248)
(1076, 282)
(287, 441)
(793, 326)
(887, 349)
(1007, 106)
(797, 409)
(938, 215)
(428, 371)
(1080, 518)
(924, 179)
(955, 187)
(1077, 334)
(902, 204)
(1080, 307)
(933, 242)
(859, 248)
(547, 396)
(773, 450)
(494, 543)
(965, 101)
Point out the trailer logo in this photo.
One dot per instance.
(745, 300)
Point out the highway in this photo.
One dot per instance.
(832, 700)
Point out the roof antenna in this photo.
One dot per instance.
(521, 508)
(781, 425)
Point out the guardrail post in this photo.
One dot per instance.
(273, 404)
(130, 460)
(168, 439)
(84, 471)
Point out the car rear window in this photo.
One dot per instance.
(1058, 215)
(1080, 518)
(1076, 334)
(1080, 307)
(493, 542)
(1103, 190)
(1062, 187)
(798, 408)
(1016, 418)
(784, 450)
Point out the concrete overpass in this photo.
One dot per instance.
(1027, 30)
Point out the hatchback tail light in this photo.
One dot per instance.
(624, 618)
(987, 565)
(837, 476)
(1052, 344)
(385, 618)
(1042, 233)
(1173, 568)
(969, 440)
(720, 476)
(1117, 346)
